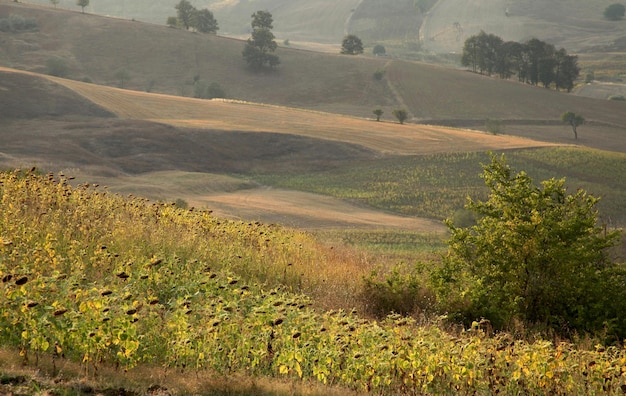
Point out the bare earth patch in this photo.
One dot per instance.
(306, 210)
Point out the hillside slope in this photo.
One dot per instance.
(164, 60)
(164, 147)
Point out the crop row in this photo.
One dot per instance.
(101, 279)
(435, 186)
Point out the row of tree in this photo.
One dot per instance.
(534, 62)
(188, 16)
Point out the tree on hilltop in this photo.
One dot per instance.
(185, 12)
(204, 21)
(260, 47)
(82, 4)
(351, 45)
(615, 12)
(378, 113)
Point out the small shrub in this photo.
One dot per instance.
(494, 127)
(589, 77)
(619, 98)
(181, 203)
(379, 50)
(57, 67)
(401, 293)
(379, 74)
(215, 90)
(17, 23)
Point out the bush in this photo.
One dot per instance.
(494, 127)
(619, 98)
(401, 293)
(614, 12)
(57, 67)
(379, 50)
(536, 255)
(379, 74)
(17, 23)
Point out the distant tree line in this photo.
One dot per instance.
(188, 16)
(534, 62)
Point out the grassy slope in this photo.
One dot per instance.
(167, 60)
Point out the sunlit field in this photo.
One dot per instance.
(106, 280)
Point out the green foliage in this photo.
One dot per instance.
(351, 45)
(57, 67)
(378, 113)
(185, 11)
(493, 126)
(107, 280)
(204, 21)
(123, 77)
(203, 90)
(401, 292)
(260, 47)
(574, 120)
(614, 12)
(379, 74)
(17, 23)
(379, 50)
(536, 254)
(172, 21)
(401, 115)
(534, 61)
(82, 4)
(619, 98)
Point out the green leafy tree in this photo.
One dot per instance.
(379, 50)
(615, 12)
(401, 115)
(185, 12)
(536, 254)
(574, 120)
(378, 113)
(351, 45)
(123, 77)
(262, 20)
(172, 21)
(260, 47)
(204, 21)
(82, 4)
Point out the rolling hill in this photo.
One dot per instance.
(316, 111)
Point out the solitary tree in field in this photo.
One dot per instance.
(536, 254)
(55, 2)
(574, 120)
(378, 113)
(614, 12)
(82, 4)
(351, 45)
(401, 115)
(259, 50)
